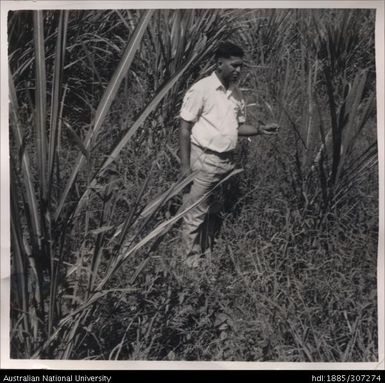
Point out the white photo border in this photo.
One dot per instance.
(6, 362)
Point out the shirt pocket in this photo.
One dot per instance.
(239, 111)
(233, 107)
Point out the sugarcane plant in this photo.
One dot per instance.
(59, 172)
(320, 89)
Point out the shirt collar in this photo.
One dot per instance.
(217, 83)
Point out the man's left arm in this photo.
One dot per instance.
(253, 130)
(260, 129)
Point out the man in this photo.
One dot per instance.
(212, 117)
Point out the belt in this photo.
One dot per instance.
(226, 154)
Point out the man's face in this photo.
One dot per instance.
(230, 68)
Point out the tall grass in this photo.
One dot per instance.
(66, 305)
(94, 158)
(315, 53)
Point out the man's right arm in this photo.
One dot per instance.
(185, 146)
(191, 110)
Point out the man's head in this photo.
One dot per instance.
(229, 59)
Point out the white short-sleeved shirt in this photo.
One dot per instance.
(215, 112)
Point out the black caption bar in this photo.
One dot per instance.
(115, 376)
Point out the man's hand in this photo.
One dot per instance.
(185, 171)
(269, 129)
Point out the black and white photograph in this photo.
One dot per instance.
(192, 184)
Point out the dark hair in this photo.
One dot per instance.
(228, 49)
